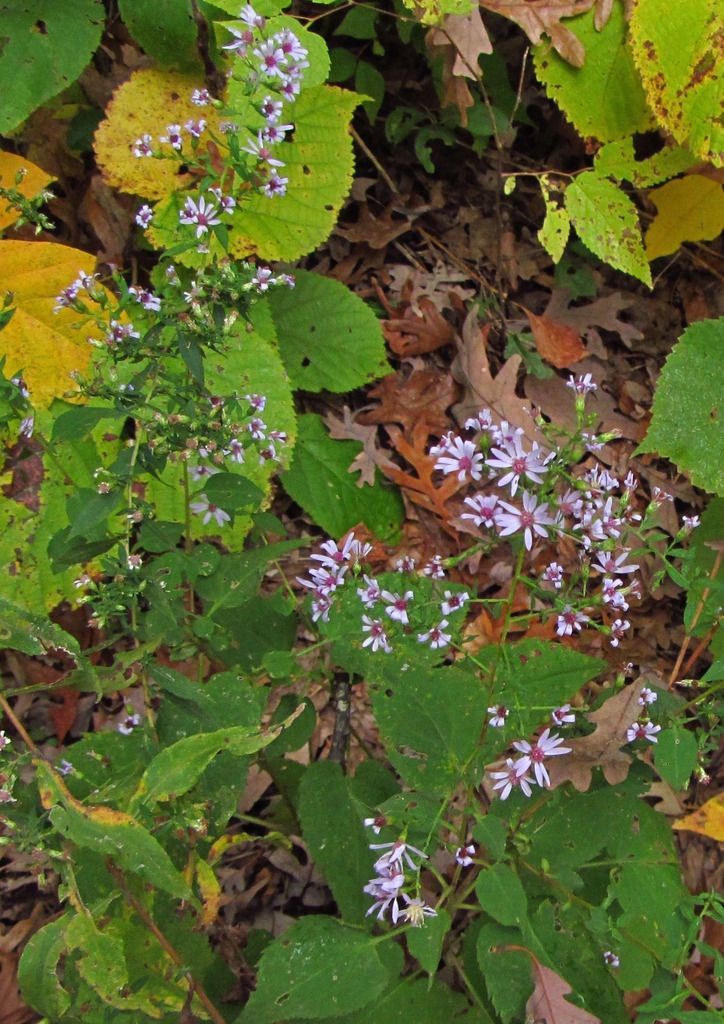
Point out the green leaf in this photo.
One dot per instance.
(319, 480)
(37, 970)
(607, 222)
(675, 756)
(687, 425)
(79, 420)
(328, 337)
(414, 1000)
(679, 59)
(492, 834)
(618, 160)
(157, 536)
(501, 895)
(603, 98)
(425, 943)
(111, 833)
(333, 831)
(556, 228)
(317, 969)
(45, 47)
(318, 163)
(650, 900)
(21, 630)
(232, 492)
(165, 29)
(507, 973)
(369, 82)
(238, 576)
(177, 768)
(102, 963)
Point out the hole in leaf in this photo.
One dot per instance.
(41, 27)
(281, 1000)
(305, 169)
(306, 361)
(389, 693)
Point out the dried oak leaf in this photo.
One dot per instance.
(603, 747)
(414, 335)
(548, 1001)
(377, 232)
(406, 399)
(468, 37)
(542, 17)
(472, 369)
(603, 312)
(348, 429)
(557, 343)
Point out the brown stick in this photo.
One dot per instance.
(697, 615)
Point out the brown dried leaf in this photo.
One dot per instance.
(603, 747)
(406, 399)
(603, 312)
(376, 232)
(602, 14)
(371, 456)
(557, 343)
(542, 17)
(413, 335)
(468, 37)
(548, 1002)
(472, 369)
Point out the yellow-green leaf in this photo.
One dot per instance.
(707, 820)
(44, 346)
(689, 209)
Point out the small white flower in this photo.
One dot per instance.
(396, 853)
(553, 573)
(376, 824)
(377, 639)
(275, 185)
(406, 564)
(203, 507)
(144, 216)
(618, 629)
(464, 855)
(201, 214)
(546, 745)
(397, 605)
(512, 777)
(647, 696)
(434, 568)
(195, 127)
(533, 518)
(643, 731)
(143, 146)
(581, 385)
(463, 458)
(436, 636)
(173, 136)
(201, 97)
(610, 959)
(690, 523)
(454, 601)
(128, 724)
(370, 594)
(498, 713)
(483, 510)
(416, 911)
(568, 621)
(4, 740)
(563, 715)
(483, 421)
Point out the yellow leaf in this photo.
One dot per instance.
(150, 100)
(210, 892)
(690, 209)
(35, 181)
(42, 345)
(708, 819)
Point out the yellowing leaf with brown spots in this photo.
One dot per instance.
(44, 346)
(707, 820)
(34, 181)
(147, 103)
(690, 209)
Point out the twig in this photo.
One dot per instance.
(340, 733)
(17, 725)
(194, 984)
(373, 159)
(697, 615)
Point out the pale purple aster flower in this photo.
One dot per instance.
(599, 479)
(201, 472)
(397, 605)
(128, 724)
(568, 620)
(571, 504)
(201, 97)
(118, 332)
(690, 523)
(143, 146)
(275, 185)
(498, 713)
(643, 731)
(327, 578)
(406, 564)
(65, 299)
(134, 562)
(195, 126)
(416, 911)
(262, 279)
(144, 216)
(290, 90)
(207, 509)
(271, 109)
(532, 518)
(370, 594)
(332, 554)
(463, 458)
(483, 509)
(443, 444)
(436, 636)
(612, 566)
(648, 696)
(173, 136)
(272, 59)
(659, 497)
(236, 451)
(434, 568)
(563, 715)
(385, 891)
(396, 853)
(258, 404)
(553, 573)
(257, 428)
(505, 433)
(21, 386)
(146, 298)
(454, 601)
(202, 214)
(320, 608)
(592, 442)
(582, 385)
(514, 462)
(260, 149)
(376, 824)
(610, 591)
(249, 16)
(513, 776)
(171, 275)
(358, 550)
(27, 426)
(290, 45)
(5, 741)
(64, 767)
(464, 855)
(610, 959)
(377, 639)
(483, 421)
(243, 38)
(274, 133)
(546, 745)
(618, 630)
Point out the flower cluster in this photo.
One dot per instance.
(516, 775)
(387, 888)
